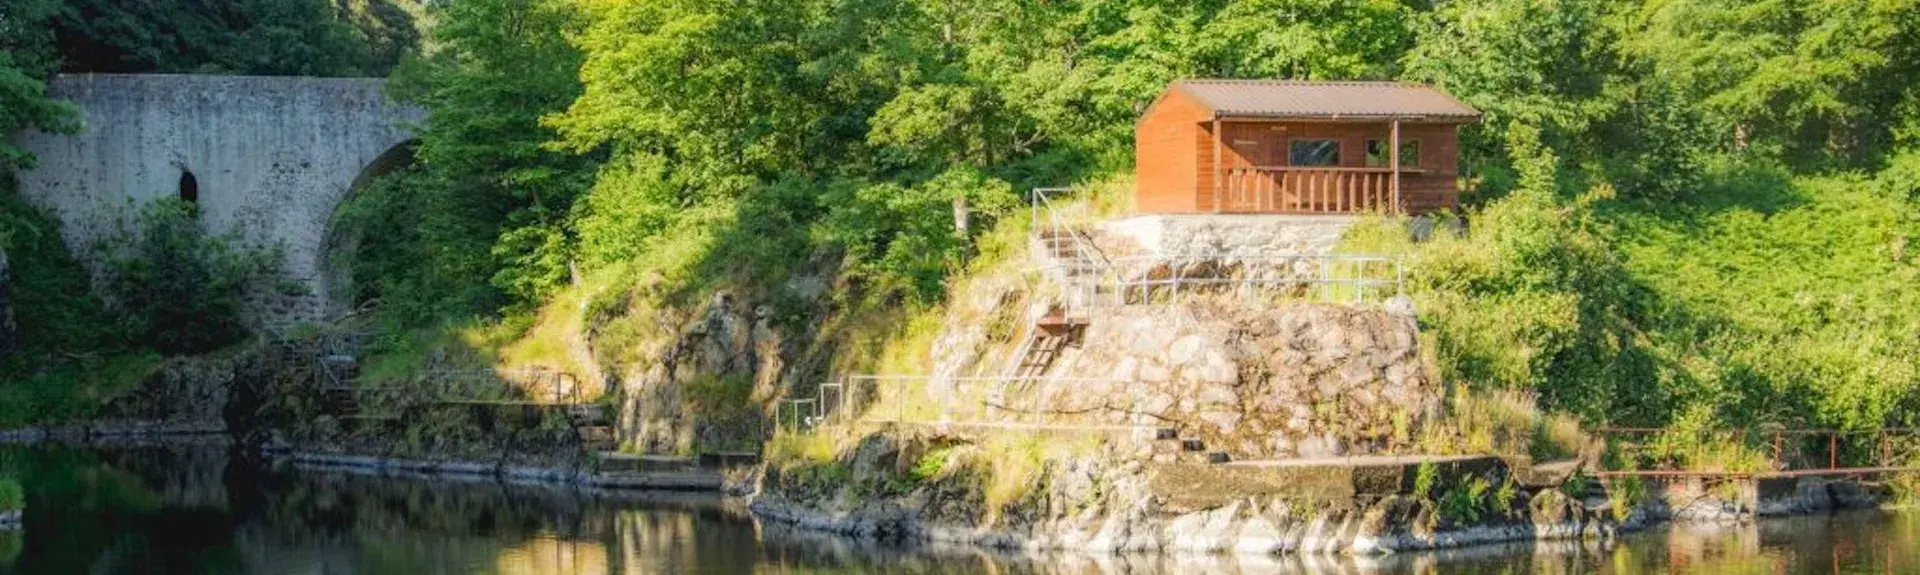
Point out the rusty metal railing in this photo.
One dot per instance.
(1788, 452)
(1038, 402)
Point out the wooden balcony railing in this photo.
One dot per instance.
(1308, 190)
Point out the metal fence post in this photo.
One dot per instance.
(1045, 387)
(1833, 450)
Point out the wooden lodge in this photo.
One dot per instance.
(1292, 147)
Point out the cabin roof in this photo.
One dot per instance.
(1330, 100)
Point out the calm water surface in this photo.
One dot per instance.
(199, 510)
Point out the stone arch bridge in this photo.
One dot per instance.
(271, 157)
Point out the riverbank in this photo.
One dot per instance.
(1115, 497)
(728, 481)
(262, 517)
(115, 430)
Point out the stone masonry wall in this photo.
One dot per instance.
(272, 156)
(1230, 235)
(1308, 380)
(1254, 381)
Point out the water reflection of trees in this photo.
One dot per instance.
(145, 511)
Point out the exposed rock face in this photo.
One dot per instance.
(1308, 380)
(1111, 500)
(184, 390)
(719, 345)
(9, 331)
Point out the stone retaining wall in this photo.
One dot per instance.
(1308, 380)
(1230, 235)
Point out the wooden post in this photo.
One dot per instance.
(1217, 168)
(1393, 163)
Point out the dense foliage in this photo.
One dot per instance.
(255, 37)
(1692, 211)
(180, 289)
(74, 351)
(1670, 214)
(26, 57)
(12, 497)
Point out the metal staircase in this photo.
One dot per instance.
(1067, 257)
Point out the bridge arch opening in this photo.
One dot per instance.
(189, 187)
(339, 293)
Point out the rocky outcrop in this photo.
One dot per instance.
(9, 331)
(718, 348)
(182, 390)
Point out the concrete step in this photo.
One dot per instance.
(1546, 474)
(629, 462)
(595, 433)
(1190, 457)
(587, 415)
(725, 459)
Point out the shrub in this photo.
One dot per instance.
(74, 351)
(1464, 503)
(12, 497)
(1424, 478)
(797, 449)
(182, 289)
(1624, 494)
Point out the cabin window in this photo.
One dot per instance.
(1313, 153)
(1377, 153)
(189, 188)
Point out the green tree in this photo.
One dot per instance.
(26, 58)
(1813, 81)
(475, 224)
(266, 37)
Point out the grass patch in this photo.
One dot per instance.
(1502, 422)
(1018, 467)
(793, 449)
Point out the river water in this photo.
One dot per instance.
(178, 509)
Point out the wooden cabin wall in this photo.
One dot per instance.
(1167, 156)
(1174, 155)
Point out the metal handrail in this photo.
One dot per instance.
(1345, 169)
(1093, 274)
(1131, 273)
(992, 406)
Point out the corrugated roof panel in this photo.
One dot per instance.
(1292, 98)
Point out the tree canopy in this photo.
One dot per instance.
(1678, 209)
